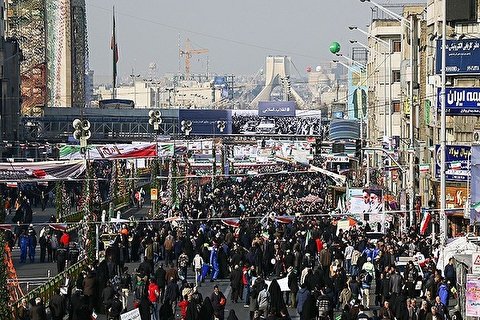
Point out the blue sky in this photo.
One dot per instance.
(238, 34)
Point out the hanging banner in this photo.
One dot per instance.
(117, 151)
(357, 92)
(40, 171)
(472, 296)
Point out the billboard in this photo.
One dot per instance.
(344, 129)
(276, 108)
(462, 56)
(457, 160)
(456, 197)
(204, 121)
(460, 101)
(366, 205)
(475, 189)
(357, 93)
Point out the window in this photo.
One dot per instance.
(395, 76)
(397, 46)
(396, 106)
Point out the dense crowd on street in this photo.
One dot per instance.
(283, 125)
(276, 267)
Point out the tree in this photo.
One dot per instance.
(5, 310)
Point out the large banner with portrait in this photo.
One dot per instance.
(366, 205)
(357, 93)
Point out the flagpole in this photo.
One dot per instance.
(113, 46)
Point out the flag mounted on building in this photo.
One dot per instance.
(425, 221)
(114, 47)
(424, 168)
(456, 165)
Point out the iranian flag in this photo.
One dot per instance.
(424, 168)
(457, 165)
(425, 221)
(231, 222)
(284, 219)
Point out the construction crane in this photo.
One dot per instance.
(187, 53)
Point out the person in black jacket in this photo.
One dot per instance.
(236, 283)
(116, 307)
(145, 308)
(61, 258)
(293, 286)
(57, 306)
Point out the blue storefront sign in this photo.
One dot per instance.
(460, 101)
(462, 56)
(276, 108)
(457, 160)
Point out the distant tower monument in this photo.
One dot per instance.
(52, 35)
(276, 68)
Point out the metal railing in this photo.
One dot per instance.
(48, 289)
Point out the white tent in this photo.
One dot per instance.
(461, 249)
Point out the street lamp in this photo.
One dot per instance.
(388, 107)
(410, 25)
(155, 119)
(134, 76)
(353, 62)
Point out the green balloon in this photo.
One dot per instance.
(335, 47)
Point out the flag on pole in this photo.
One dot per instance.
(425, 221)
(424, 168)
(457, 165)
(114, 47)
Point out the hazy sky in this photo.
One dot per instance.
(238, 34)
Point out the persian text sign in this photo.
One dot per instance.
(454, 154)
(460, 101)
(462, 56)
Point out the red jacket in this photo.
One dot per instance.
(183, 305)
(319, 244)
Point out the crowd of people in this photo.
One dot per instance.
(284, 255)
(283, 125)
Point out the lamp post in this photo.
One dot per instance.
(353, 62)
(82, 133)
(155, 119)
(134, 76)
(443, 125)
(411, 26)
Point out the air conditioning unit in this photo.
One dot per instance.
(476, 137)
